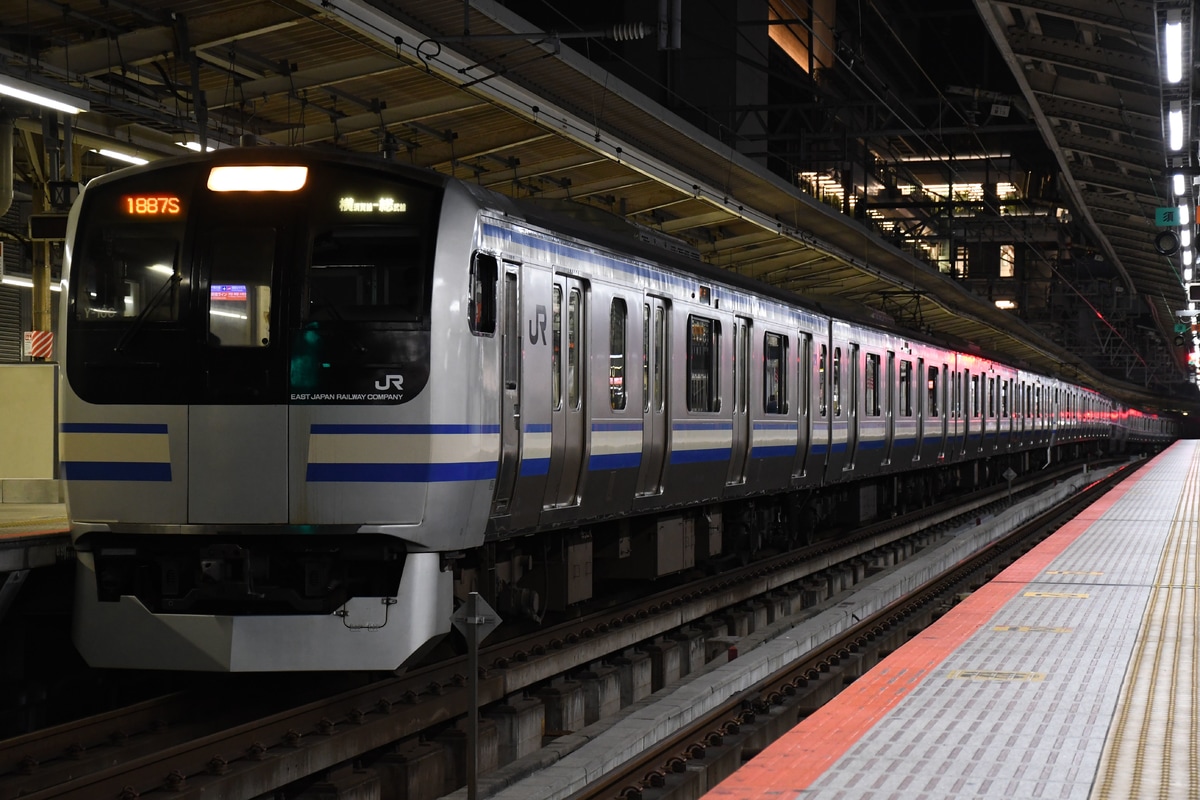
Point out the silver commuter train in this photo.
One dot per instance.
(310, 399)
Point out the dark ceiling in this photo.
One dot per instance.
(918, 158)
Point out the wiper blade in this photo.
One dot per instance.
(144, 314)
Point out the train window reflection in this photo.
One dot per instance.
(616, 354)
(239, 305)
(129, 275)
(367, 273)
(775, 357)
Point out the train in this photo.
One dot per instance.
(310, 400)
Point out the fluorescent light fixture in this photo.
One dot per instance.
(1187, 274)
(1185, 237)
(1178, 184)
(1006, 305)
(1187, 256)
(195, 146)
(161, 269)
(49, 98)
(257, 178)
(117, 155)
(216, 313)
(1173, 42)
(1175, 126)
(1185, 214)
(26, 283)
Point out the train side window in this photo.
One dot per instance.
(931, 400)
(617, 317)
(239, 306)
(906, 393)
(703, 358)
(836, 382)
(484, 273)
(976, 400)
(991, 392)
(775, 359)
(822, 391)
(871, 385)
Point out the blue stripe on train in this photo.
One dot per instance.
(400, 473)
(614, 461)
(116, 470)
(113, 427)
(700, 456)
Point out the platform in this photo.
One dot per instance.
(1073, 674)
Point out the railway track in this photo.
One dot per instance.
(255, 745)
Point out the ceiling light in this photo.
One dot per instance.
(1185, 214)
(1187, 274)
(1187, 256)
(1179, 184)
(1006, 305)
(1175, 125)
(43, 97)
(26, 283)
(195, 146)
(1173, 41)
(119, 156)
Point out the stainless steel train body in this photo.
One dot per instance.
(298, 418)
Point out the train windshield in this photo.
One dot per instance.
(177, 284)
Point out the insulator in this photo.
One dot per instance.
(628, 31)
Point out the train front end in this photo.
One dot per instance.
(261, 474)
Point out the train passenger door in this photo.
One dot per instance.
(654, 395)
(740, 450)
(568, 417)
(510, 391)
(238, 431)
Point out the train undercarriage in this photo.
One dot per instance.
(565, 572)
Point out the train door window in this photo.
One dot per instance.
(512, 343)
(617, 315)
(976, 400)
(804, 365)
(645, 357)
(660, 355)
(823, 389)
(574, 313)
(703, 357)
(906, 392)
(931, 387)
(775, 359)
(556, 348)
(239, 308)
(871, 385)
(1003, 398)
(484, 272)
(836, 382)
(991, 393)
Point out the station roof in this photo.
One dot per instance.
(477, 91)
